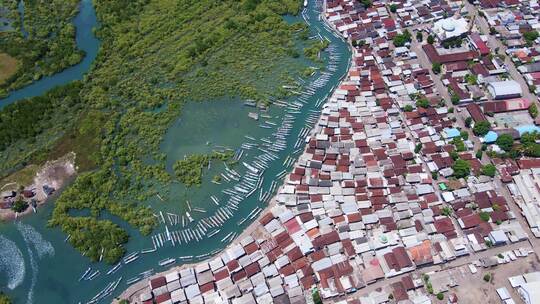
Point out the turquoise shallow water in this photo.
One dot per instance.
(47, 269)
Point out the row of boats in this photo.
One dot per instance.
(107, 291)
(244, 184)
(252, 180)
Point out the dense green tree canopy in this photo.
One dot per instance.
(505, 142)
(481, 128)
(489, 170)
(49, 46)
(154, 54)
(402, 39)
(461, 168)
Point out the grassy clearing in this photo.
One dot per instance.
(8, 66)
(84, 141)
(23, 177)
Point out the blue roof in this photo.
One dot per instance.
(527, 129)
(490, 137)
(451, 132)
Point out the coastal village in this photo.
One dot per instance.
(20, 195)
(410, 189)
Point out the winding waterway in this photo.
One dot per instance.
(48, 268)
(84, 22)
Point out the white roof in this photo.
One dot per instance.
(503, 293)
(448, 196)
(532, 277)
(504, 88)
(450, 27)
(532, 290)
(516, 281)
(172, 276)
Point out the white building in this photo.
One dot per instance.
(528, 286)
(450, 28)
(504, 89)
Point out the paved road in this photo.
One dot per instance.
(443, 92)
(494, 43)
(442, 267)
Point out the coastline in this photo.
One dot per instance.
(56, 174)
(85, 290)
(136, 289)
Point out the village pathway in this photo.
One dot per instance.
(493, 251)
(443, 92)
(495, 43)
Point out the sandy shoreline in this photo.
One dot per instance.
(132, 292)
(56, 174)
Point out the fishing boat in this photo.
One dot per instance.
(105, 292)
(133, 280)
(241, 221)
(226, 237)
(115, 268)
(166, 262)
(199, 210)
(189, 217)
(211, 234)
(85, 273)
(131, 259)
(147, 273)
(93, 275)
(253, 115)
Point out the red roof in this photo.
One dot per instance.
(222, 274)
(233, 265)
(158, 282)
(475, 112)
(471, 221)
(507, 105)
(237, 276)
(444, 225)
(252, 269)
(480, 45)
(163, 297)
(207, 287)
(292, 226)
(529, 163)
(402, 257)
(434, 56)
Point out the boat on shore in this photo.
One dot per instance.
(149, 250)
(250, 103)
(146, 274)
